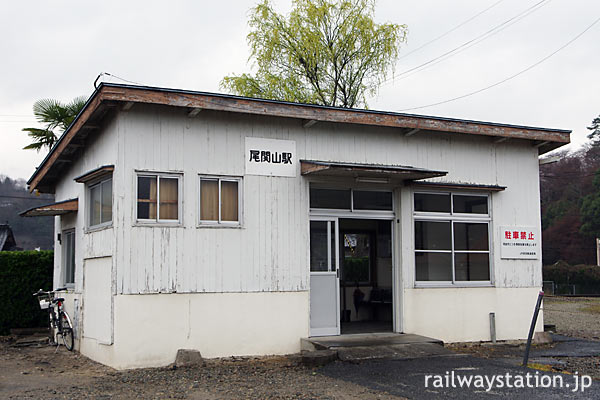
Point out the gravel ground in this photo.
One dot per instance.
(40, 372)
(574, 316)
(577, 317)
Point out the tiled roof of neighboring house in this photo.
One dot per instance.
(7, 239)
(110, 98)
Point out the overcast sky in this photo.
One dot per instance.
(56, 49)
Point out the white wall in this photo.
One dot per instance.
(151, 328)
(462, 314)
(269, 252)
(101, 150)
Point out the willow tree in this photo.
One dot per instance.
(323, 52)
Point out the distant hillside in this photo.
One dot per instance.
(564, 185)
(29, 232)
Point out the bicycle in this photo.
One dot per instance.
(59, 319)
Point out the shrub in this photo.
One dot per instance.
(586, 277)
(21, 274)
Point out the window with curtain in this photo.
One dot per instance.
(100, 203)
(219, 200)
(452, 240)
(158, 198)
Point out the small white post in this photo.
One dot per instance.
(493, 327)
(597, 251)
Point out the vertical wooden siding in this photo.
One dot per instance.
(269, 252)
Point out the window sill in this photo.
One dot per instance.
(219, 226)
(424, 285)
(158, 224)
(98, 228)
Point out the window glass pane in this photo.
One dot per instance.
(372, 200)
(429, 202)
(433, 266)
(229, 201)
(106, 201)
(209, 199)
(146, 197)
(472, 266)
(318, 246)
(470, 204)
(95, 204)
(470, 236)
(330, 198)
(431, 235)
(69, 254)
(168, 198)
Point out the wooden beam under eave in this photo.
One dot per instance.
(195, 111)
(500, 140)
(412, 132)
(309, 168)
(211, 101)
(540, 144)
(127, 106)
(309, 123)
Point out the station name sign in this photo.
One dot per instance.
(518, 242)
(270, 157)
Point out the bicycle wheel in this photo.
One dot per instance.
(67, 330)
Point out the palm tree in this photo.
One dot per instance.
(55, 115)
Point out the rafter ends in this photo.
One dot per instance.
(412, 132)
(309, 123)
(127, 106)
(194, 112)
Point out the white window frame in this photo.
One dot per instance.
(219, 222)
(374, 214)
(158, 220)
(63, 240)
(89, 188)
(453, 218)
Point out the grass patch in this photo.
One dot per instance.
(552, 299)
(591, 308)
(540, 367)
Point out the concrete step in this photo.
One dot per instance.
(392, 352)
(31, 341)
(364, 340)
(362, 347)
(318, 358)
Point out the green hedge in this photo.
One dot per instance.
(21, 274)
(586, 277)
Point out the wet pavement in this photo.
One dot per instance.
(570, 347)
(409, 378)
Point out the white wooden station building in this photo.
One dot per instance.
(237, 226)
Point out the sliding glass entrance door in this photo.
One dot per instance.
(324, 277)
